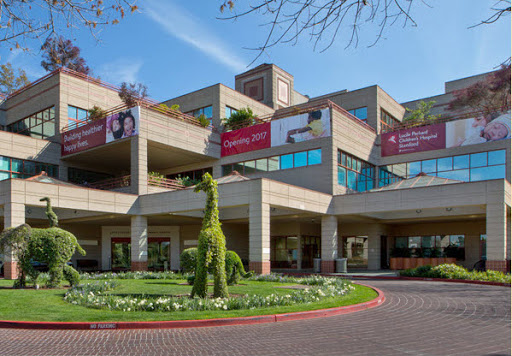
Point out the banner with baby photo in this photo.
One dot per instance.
(299, 128)
(493, 127)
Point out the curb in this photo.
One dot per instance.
(425, 279)
(176, 324)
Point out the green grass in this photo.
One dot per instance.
(48, 305)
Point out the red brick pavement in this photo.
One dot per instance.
(418, 318)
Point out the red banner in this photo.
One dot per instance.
(416, 139)
(83, 138)
(247, 139)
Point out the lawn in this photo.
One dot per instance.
(48, 305)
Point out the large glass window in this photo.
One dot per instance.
(360, 113)
(355, 249)
(229, 111)
(196, 174)
(84, 177)
(354, 173)
(207, 111)
(430, 246)
(270, 164)
(283, 252)
(76, 117)
(18, 168)
(39, 125)
(387, 122)
(158, 254)
(467, 168)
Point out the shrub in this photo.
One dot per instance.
(203, 120)
(241, 118)
(188, 260)
(453, 271)
(96, 113)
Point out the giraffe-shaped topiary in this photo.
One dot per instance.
(211, 249)
(54, 220)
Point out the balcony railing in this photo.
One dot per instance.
(165, 183)
(111, 183)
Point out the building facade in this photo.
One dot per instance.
(315, 178)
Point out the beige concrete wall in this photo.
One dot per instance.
(24, 147)
(89, 233)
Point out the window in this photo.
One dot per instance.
(76, 117)
(284, 251)
(354, 173)
(387, 122)
(466, 168)
(18, 168)
(207, 111)
(39, 125)
(81, 176)
(360, 113)
(431, 246)
(194, 175)
(270, 164)
(230, 111)
(355, 250)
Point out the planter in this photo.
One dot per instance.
(396, 263)
(409, 262)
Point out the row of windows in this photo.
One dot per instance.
(468, 168)
(18, 168)
(206, 111)
(387, 122)
(354, 173)
(430, 246)
(194, 175)
(275, 163)
(76, 117)
(360, 113)
(39, 125)
(83, 177)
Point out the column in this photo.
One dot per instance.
(374, 250)
(14, 215)
(175, 252)
(497, 226)
(139, 165)
(329, 243)
(139, 243)
(299, 252)
(259, 237)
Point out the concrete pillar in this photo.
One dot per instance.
(374, 251)
(175, 252)
(63, 171)
(498, 229)
(14, 215)
(259, 237)
(139, 243)
(139, 165)
(299, 252)
(329, 243)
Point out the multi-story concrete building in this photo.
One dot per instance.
(315, 178)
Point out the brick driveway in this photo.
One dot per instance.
(418, 318)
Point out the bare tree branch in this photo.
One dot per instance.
(500, 9)
(29, 19)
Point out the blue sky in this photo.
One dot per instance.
(175, 47)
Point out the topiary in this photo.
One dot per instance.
(188, 260)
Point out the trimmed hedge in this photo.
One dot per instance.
(453, 271)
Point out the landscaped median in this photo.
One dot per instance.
(153, 300)
(457, 273)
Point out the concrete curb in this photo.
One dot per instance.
(260, 319)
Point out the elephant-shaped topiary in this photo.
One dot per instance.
(53, 246)
(234, 267)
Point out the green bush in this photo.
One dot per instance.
(234, 267)
(453, 271)
(239, 119)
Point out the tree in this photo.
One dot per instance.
(211, 248)
(487, 96)
(421, 115)
(238, 119)
(323, 20)
(40, 19)
(59, 52)
(132, 93)
(9, 82)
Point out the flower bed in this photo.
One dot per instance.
(452, 271)
(98, 295)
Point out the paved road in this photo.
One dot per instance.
(418, 318)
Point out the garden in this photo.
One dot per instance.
(201, 292)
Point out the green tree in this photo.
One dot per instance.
(211, 249)
(241, 118)
(421, 115)
(9, 82)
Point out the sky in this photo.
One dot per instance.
(175, 47)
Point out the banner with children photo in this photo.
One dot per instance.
(299, 128)
(123, 124)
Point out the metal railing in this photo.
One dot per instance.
(111, 183)
(164, 183)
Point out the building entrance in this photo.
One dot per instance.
(158, 254)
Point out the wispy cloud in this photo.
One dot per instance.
(186, 27)
(121, 70)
